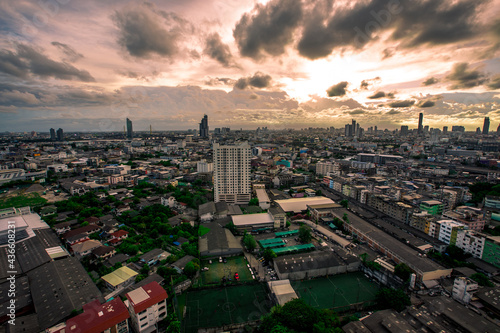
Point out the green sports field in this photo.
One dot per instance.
(337, 292)
(217, 270)
(223, 306)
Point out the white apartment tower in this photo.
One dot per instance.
(232, 173)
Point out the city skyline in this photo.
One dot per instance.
(277, 64)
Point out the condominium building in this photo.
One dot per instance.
(471, 242)
(147, 306)
(232, 173)
(449, 230)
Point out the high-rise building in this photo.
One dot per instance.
(457, 128)
(130, 133)
(204, 127)
(232, 173)
(486, 125)
(445, 129)
(404, 130)
(60, 134)
(420, 123)
(52, 134)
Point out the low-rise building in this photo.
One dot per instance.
(463, 289)
(119, 278)
(147, 306)
(448, 231)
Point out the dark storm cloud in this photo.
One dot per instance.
(216, 49)
(381, 94)
(28, 61)
(357, 111)
(426, 104)
(142, 35)
(69, 52)
(268, 29)
(338, 89)
(401, 104)
(413, 22)
(393, 112)
(494, 84)
(430, 81)
(258, 80)
(463, 77)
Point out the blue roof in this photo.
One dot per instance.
(177, 243)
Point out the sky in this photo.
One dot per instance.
(89, 65)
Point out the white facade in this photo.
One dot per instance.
(471, 242)
(147, 318)
(203, 166)
(448, 231)
(463, 289)
(326, 168)
(232, 173)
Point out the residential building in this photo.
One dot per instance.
(472, 217)
(327, 168)
(60, 134)
(119, 278)
(448, 231)
(204, 166)
(147, 306)
(463, 289)
(52, 134)
(232, 173)
(471, 242)
(433, 207)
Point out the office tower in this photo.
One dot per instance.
(130, 132)
(445, 129)
(375, 129)
(52, 134)
(204, 127)
(404, 130)
(426, 128)
(232, 173)
(457, 129)
(498, 129)
(60, 134)
(486, 125)
(478, 130)
(420, 121)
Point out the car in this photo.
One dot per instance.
(225, 260)
(204, 269)
(236, 276)
(210, 261)
(220, 259)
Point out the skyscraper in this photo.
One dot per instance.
(420, 121)
(232, 173)
(130, 133)
(60, 135)
(52, 134)
(404, 130)
(204, 127)
(486, 125)
(445, 129)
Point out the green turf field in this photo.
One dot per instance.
(337, 292)
(224, 306)
(217, 270)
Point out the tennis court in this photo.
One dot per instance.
(337, 292)
(216, 270)
(224, 306)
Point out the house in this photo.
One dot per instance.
(119, 278)
(104, 252)
(78, 238)
(153, 257)
(147, 306)
(84, 248)
(111, 316)
(117, 237)
(92, 220)
(62, 228)
(181, 263)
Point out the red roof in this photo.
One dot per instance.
(156, 294)
(98, 317)
(86, 229)
(119, 233)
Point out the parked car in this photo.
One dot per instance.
(236, 276)
(220, 259)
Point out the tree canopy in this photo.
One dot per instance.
(305, 234)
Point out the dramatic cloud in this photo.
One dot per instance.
(142, 35)
(268, 29)
(338, 89)
(413, 22)
(69, 52)
(381, 94)
(365, 84)
(216, 49)
(258, 80)
(401, 104)
(28, 61)
(430, 81)
(494, 84)
(426, 104)
(219, 81)
(462, 77)
(392, 112)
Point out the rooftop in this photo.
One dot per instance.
(298, 205)
(146, 296)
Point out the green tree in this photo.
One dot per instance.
(345, 217)
(392, 298)
(305, 234)
(253, 202)
(482, 280)
(249, 242)
(363, 257)
(403, 271)
(268, 255)
(191, 268)
(344, 203)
